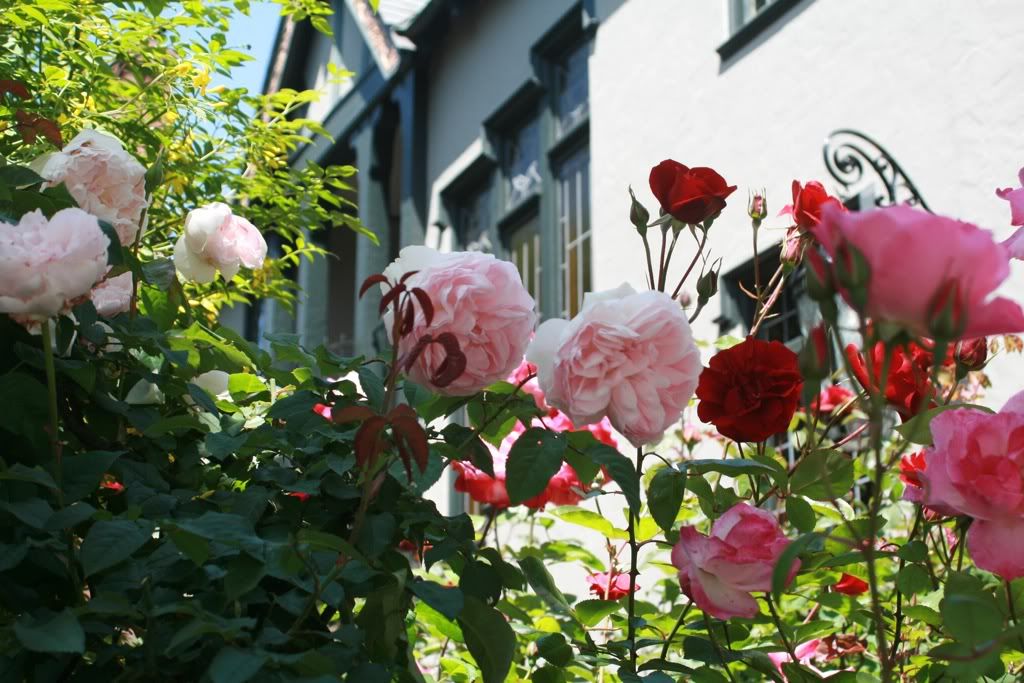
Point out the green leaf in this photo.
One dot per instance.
(33, 475)
(490, 639)
(588, 519)
(591, 612)
(70, 517)
(83, 472)
(111, 542)
(35, 511)
(244, 574)
(232, 665)
(554, 648)
(159, 273)
(465, 443)
(447, 601)
(823, 475)
(971, 618)
(243, 384)
(372, 384)
(19, 176)
(51, 632)
(912, 579)
(621, 470)
(195, 548)
(923, 614)
(534, 459)
(780, 573)
(800, 514)
(115, 253)
(918, 429)
(733, 467)
(543, 584)
(665, 496)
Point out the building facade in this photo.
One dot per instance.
(515, 127)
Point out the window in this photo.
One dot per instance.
(473, 220)
(743, 11)
(572, 88)
(574, 229)
(524, 248)
(521, 164)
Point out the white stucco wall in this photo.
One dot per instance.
(935, 81)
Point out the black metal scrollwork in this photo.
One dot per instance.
(857, 162)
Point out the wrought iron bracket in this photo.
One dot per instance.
(858, 163)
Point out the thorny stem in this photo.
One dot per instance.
(51, 388)
(718, 648)
(634, 550)
(700, 250)
(899, 593)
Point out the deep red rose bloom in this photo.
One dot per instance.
(303, 497)
(323, 411)
(830, 398)
(112, 485)
(610, 585)
(691, 195)
(850, 585)
(750, 391)
(909, 388)
(911, 467)
(808, 202)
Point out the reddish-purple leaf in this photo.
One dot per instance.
(409, 430)
(408, 319)
(407, 276)
(390, 297)
(370, 282)
(407, 361)
(16, 88)
(367, 442)
(425, 304)
(453, 365)
(351, 414)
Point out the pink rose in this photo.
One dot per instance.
(216, 239)
(976, 468)
(45, 265)
(113, 295)
(104, 179)
(955, 268)
(718, 572)
(477, 298)
(832, 397)
(1015, 195)
(628, 356)
(610, 585)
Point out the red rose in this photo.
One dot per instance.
(972, 353)
(323, 411)
(808, 202)
(610, 585)
(850, 585)
(691, 195)
(750, 391)
(909, 388)
(911, 467)
(303, 497)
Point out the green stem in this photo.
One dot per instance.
(689, 269)
(675, 629)
(778, 625)
(650, 263)
(634, 551)
(51, 387)
(718, 648)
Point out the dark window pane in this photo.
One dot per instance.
(473, 220)
(572, 88)
(524, 244)
(522, 170)
(574, 225)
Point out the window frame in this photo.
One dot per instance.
(742, 33)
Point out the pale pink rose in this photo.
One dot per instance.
(1015, 195)
(953, 262)
(628, 356)
(104, 179)
(478, 299)
(976, 468)
(113, 295)
(718, 572)
(216, 239)
(813, 651)
(46, 265)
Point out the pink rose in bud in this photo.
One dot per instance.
(832, 398)
(955, 270)
(113, 295)
(1015, 195)
(216, 239)
(718, 572)
(610, 585)
(46, 265)
(103, 178)
(478, 299)
(976, 468)
(793, 247)
(628, 356)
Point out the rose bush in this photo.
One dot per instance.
(179, 503)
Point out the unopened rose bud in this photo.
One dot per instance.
(818, 277)
(853, 273)
(707, 287)
(971, 354)
(814, 357)
(757, 208)
(639, 216)
(792, 249)
(685, 299)
(946, 312)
